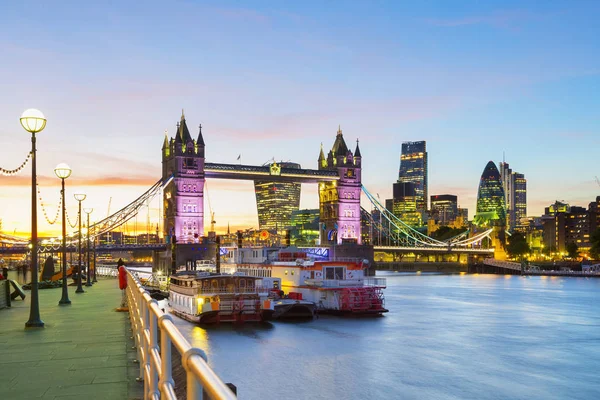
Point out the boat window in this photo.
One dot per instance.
(242, 283)
(312, 274)
(334, 273)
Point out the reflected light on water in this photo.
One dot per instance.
(200, 339)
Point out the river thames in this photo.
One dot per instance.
(445, 337)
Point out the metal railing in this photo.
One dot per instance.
(147, 320)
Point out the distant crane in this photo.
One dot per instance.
(212, 214)
(108, 215)
(212, 221)
(597, 180)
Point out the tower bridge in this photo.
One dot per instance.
(339, 178)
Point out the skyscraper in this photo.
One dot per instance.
(515, 191)
(491, 206)
(413, 168)
(275, 201)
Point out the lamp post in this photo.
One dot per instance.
(79, 197)
(88, 281)
(94, 280)
(33, 121)
(63, 172)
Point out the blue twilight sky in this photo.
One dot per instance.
(274, 79)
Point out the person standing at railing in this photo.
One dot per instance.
(122, 285)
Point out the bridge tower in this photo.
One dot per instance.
(183, 159)
(339, 201)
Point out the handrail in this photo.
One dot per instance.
(147, 320)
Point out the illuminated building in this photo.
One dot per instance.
(444, 208)
(413, 168)
(491, 206)
(275, 201)
(304, 229)
(339, 200)
(515, 191)
(564, 224)
(183, 160)
(404, 204)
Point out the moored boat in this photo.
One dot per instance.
(336, 287)
(212, 298)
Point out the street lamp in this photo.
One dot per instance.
(88, 211)
(79, 197)
(33, 121)
(63, 171)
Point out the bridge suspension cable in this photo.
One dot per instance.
(128, 212)
(404, 235)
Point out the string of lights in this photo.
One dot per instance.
(69, 220)
(11, 172)
(44, 208)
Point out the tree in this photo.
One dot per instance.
(595, 242)
(517, 245)
(572, 249)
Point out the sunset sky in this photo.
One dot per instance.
(274, 79)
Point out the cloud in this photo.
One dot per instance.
(510, 19)
(108, 180)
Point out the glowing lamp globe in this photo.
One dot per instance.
(63, 171)
(80, 196)
(88, 210)
(33, 120)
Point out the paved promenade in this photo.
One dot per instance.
(84, 352)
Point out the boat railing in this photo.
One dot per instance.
(233, 291)
(147, 321)
(341, 283)
(376, 282)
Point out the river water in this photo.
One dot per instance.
(445, 337)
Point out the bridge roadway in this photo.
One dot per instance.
(238, 171)
(433, 250)
(84, 351)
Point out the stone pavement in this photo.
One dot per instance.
(84, 351)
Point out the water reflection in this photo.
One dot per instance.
(445, 337)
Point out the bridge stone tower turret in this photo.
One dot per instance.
(183, 198)
(339, 201)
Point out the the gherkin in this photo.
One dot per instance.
(491, 203)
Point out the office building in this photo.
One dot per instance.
(491, 206)
(275, 201)
(564, 224)
(515, 192)
(413, 169)
(444, 208)
(304, 229)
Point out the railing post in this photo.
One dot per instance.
(153, 346)
(145, 366)
(166, 375)
(194, 388)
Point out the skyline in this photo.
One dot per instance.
(474, 82)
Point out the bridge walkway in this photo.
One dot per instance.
(84, 351)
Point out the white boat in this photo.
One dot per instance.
(338, 287)
(213, 298)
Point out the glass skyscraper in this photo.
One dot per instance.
(515, 192)
(491, 203)
(275, 201)
(413, 168)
